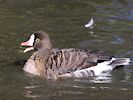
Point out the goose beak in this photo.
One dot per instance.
(29, 44)
(28, 48)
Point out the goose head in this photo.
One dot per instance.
(37, 40)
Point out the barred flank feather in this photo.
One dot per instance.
(99, 68)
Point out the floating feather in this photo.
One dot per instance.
(90, 23)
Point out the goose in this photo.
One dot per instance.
(52, 63)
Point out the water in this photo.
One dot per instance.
(64, 21)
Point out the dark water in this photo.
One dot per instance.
(64, 21)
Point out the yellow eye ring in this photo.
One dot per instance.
(37, 40)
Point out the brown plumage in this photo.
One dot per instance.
(54, 63)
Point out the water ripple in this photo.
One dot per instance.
(118, 40)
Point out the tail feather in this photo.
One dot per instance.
(119, 61)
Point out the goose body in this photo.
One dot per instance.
(55, 63)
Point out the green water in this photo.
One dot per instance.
(64, 21)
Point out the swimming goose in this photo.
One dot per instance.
(63, 63)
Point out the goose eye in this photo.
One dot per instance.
(37, 40)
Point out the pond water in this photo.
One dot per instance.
(64, 21)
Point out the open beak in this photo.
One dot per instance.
(29, 44)
(29, 48)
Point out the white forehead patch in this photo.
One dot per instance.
(31, 40)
